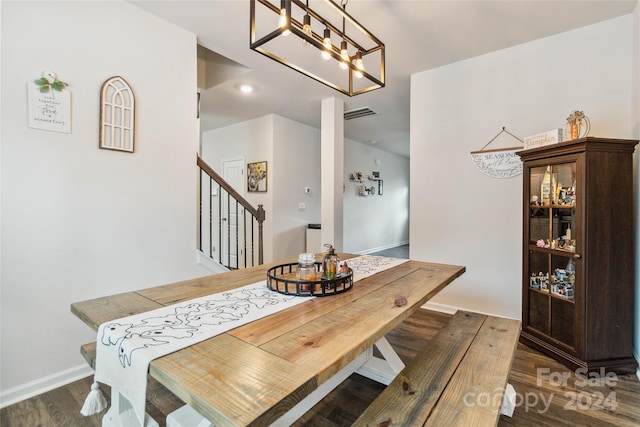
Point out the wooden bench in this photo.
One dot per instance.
(88, 351)
(458, 379)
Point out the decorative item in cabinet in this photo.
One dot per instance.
(578, 256)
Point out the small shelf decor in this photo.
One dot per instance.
(361, 188)
(282, 278)
(375, 176)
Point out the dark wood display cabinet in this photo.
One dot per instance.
(578, 258)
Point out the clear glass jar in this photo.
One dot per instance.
(306, 269)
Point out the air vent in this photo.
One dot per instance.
(359, 112)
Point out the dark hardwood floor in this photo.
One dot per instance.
(548, 394)
(401, 251)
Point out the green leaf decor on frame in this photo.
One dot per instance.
(48, 81)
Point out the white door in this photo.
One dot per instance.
(232, 214)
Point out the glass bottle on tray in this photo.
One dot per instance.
(330, 263)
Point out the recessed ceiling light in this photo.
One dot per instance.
(246, 88)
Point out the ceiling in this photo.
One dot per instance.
(418, 35)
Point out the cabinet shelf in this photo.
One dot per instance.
(551, 294)
(578, 307)
(560, 252)
(552, 206)
(562, 297)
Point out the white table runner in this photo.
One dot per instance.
(126, 346)
(368, 265)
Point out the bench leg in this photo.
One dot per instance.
(121, 413)
(382, 370)
(508, 401)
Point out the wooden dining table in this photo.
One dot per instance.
(271, 371)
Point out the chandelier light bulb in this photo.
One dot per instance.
(326, 42)
(357, 62)
(306, 28)
(344, 54)
(283, 21)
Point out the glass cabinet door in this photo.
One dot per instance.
(552, 245)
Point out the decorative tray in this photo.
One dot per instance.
(282, 278)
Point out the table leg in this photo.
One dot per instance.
(318, 394)
(382, 370)
(368, 365)
(121, 413)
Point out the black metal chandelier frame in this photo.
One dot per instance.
(296, 27)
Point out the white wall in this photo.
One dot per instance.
(460, 216)
(79, 222)
(380, 221)
(296, 164)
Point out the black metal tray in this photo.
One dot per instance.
(282, 278)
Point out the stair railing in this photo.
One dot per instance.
(228, 225)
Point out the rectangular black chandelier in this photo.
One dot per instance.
(326, 44)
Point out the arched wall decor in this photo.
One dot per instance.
(117, 115)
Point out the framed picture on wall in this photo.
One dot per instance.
(257, 177)
(49, 104)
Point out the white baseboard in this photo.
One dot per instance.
(442, 308)
(382, 248)
(42, 385)
(449, 309)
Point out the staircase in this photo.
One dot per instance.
(229, 228)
